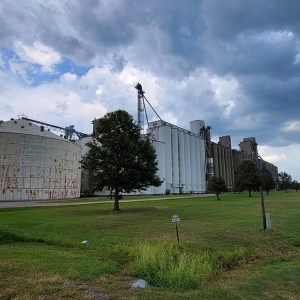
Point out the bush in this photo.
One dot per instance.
(7, 237)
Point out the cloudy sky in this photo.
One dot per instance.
(233, 63)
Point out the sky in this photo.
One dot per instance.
(233, 63)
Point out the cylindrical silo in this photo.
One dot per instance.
(193, 162)
(187, 162)
(37, 164)
(165, 136)
(181, 160)
(203, 166)
(175, 161)
(160, 152)
(197, 165)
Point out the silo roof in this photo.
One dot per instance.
(21, 126)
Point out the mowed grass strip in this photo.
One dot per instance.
(47, 241)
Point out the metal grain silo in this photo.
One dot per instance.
(37, 164)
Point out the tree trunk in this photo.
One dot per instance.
(116, 203)
(267, 192)
(218, 198)
(249, 193)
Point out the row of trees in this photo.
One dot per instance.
(285, 182)
(249, 177)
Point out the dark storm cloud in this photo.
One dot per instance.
(84, 30)
(225, 20)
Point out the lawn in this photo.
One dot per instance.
(42, 257)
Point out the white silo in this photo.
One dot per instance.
(175, 161)
(160, 152)
(193, 162)
(37, 164)
(181, 160)
(198, 166)
(183, 157)
(203, 165)
(187, 158)
(165, 136)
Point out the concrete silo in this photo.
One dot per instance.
(181, 159)
(37, 164)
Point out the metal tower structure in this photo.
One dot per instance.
(142, 107)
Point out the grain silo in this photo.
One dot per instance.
(181, 158)
(37, 164)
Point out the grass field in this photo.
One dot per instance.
(223, 253)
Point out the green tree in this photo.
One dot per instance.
(295, 185)
(217, 185)
(119, 159)
(284, 181)
(268, 181)
(248, 176)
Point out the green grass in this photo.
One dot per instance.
(223, 254)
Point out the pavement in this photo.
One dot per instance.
(37, 203)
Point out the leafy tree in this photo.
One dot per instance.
(295, 185)
(217, 185)
(248, 176)
(119, 159)
(268, 181)
(284, 181)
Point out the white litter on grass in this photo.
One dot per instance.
(139, 284)
(85, 243)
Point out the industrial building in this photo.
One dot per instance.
(226, 160)
(36, 163)
(223, 162)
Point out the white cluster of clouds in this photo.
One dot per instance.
(38, 53)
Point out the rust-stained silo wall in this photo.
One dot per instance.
(37, 164)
